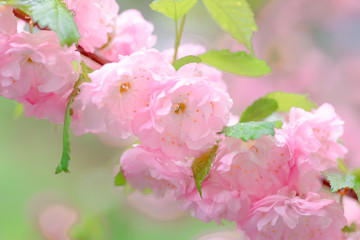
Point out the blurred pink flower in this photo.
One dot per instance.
(131, 33)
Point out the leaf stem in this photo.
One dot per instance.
(178, 36)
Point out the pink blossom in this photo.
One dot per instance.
(144, 168)
(259, 167)
(94, 19)
(37, 72)
(131, 33)
(196, 69)
(219, 202)
(314, 136)
(286, 216)
(183, 117)
(8, 25)
(118, 91)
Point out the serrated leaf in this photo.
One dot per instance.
(239, 63)
(54, 15)
(235, 17)
(85, 69)
(174, 9)
(250, 130)
(120, 179)
(65, 157)
(258, 110)
(185, 60)
(201, 167)
(286, 101)
(339, 181)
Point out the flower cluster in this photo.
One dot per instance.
(269, 186)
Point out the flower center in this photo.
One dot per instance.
(124, 87)
(178, 108)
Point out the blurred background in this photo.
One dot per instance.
(312, 47)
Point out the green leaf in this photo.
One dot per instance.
(278, 124)
(349, 229)
(286, 101)
(239, 63)
(174, 9)
(85, 71)
(339, 181)
(250, 130)
(258, 110)
(65, 157)
(120, 179)
(201, 167)
(55, 15)
(235, 17)
(186, 60)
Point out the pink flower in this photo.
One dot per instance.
(259, 167)
(286, 216)
(184, 117)
(144, 168)
(94, 19)
(196, 69)
(8, 24)
(118, 91)
(131, 33)
(313, 136)
(219, 202)
(37, 72)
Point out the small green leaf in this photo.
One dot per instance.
(235, 17)
(201, 167)
(186, 60)
(339, 181)
(258, 110)
(356, 172)
(174, 9)
(18, 111)
(278, 124)
(65, 157)
(85, 71)
(55, 15)
(120, 179)
(239, 63)
(250, 130)
(286, 101)
(349, 229)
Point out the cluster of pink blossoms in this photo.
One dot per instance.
(269, 186)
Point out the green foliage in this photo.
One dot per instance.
(250, 130)
(85, 71)
(201, 167)
(239, 63)
(349, 229)
(185, 60)
(339, 181)
(120, 179)
(52, 14)
(342, 166)
(286, 101)
(235, 17)
(174, 9)
(258, 110)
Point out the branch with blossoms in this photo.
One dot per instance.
(262, 170)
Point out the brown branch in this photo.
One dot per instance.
(23, 16)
